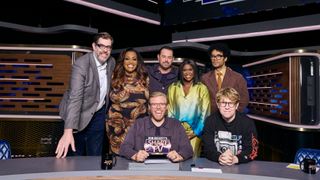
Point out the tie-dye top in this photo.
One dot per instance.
(192, 108)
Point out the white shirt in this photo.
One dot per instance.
(102, 71)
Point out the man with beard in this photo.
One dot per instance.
(83, 106)
(163, 74)
(222, 76)
(166, 134)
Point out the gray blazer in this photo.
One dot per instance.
(80, 101)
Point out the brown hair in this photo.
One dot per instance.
(119, 71)
(157, 94)
(103, 35)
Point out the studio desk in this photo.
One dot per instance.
(89, 168)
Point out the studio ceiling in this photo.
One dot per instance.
(127, 32)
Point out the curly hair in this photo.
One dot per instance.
(224, 48)
(118, 76)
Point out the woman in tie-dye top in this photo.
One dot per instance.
(189, 102)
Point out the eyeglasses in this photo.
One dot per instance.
(154, 105)
(103, 47)
(230, 104)
(217, 57)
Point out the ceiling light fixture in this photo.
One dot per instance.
(154, 2)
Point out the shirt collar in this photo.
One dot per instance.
(223, 71)
(151, 125)
(173, 71)
(99, 65)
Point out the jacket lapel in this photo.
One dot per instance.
(110, 65)
(94, 69)
(213, 82)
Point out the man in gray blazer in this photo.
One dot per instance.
(83, 106)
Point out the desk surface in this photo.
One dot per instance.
(30, 168)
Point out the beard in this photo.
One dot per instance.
(102, 57)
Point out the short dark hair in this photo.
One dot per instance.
(195, 71)
(103, 35)
(224, 48)
(165, 47)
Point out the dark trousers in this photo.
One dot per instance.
(89, 142)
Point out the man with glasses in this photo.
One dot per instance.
(156, 135)
(222, 76)
(229, 137)
(163, 74)
(83, 106)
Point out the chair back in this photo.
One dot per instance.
(303, 153)
(5, 150)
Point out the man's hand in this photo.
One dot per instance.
(174, 156)
(140, 156)
(65, 141)
(226, 158)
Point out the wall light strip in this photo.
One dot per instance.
(16, 79)
(25, 64)
(28, 99)
(265, 28)
(115, 11)
(274, 58)
(266, 104)
(251, 34)
(230, 2)
(74, 48)
(299, 127)
(30, 116)
(48, 30)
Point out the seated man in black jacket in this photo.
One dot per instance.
(229, 137)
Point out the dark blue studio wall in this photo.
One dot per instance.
(191, 10)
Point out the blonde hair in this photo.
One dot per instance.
(157, 94)
(229, 93)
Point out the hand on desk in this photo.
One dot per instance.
(140, 156)
(174, 156)
(65, 141)
(227, 158)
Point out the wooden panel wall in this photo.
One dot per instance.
(268, 86)
(295, 90)
(33, 83)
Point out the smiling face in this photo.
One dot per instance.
(130, 61)
(158, 108)
(227, 109)
(102, 48)
(188, 73)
